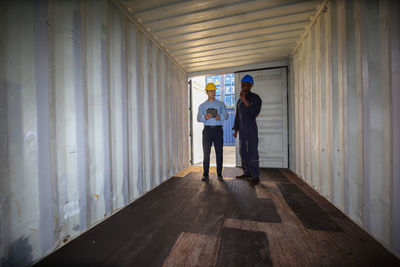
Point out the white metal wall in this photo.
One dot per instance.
(345, 104)
(93, 115)
(198, 97)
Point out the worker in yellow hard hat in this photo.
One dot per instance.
(212, 112)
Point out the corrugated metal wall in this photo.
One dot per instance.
(345, 106)
(93, 115)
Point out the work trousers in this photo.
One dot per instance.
(212, 134)
(248, 149)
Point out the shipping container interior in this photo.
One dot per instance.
(95, 101)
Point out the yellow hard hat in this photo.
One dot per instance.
(211, 87)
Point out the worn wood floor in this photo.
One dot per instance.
(186, 222)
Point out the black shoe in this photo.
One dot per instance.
(220, 177)
(243, 176)
(205, 178)
(254, 181)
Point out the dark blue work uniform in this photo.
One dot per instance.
(245, 123)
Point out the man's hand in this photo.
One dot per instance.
(208, 116)
(217, 118)
(235, 134)
(244, 99)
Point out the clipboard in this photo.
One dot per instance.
(212, 111)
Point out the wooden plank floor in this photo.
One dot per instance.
(186, 222)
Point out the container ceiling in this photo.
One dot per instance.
(213, 34)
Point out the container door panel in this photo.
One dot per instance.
(271, 86)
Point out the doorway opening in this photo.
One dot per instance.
(225, 92)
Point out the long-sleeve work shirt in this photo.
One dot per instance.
(216, 104)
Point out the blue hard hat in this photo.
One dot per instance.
(248, 79)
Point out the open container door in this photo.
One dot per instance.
(271, 86)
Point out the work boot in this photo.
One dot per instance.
(205, 178)
(254, 181)
(243, 176)
(220, 177)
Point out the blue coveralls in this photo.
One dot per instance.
(245, 123)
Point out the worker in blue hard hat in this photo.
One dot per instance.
(212, 112)
(247, 109)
